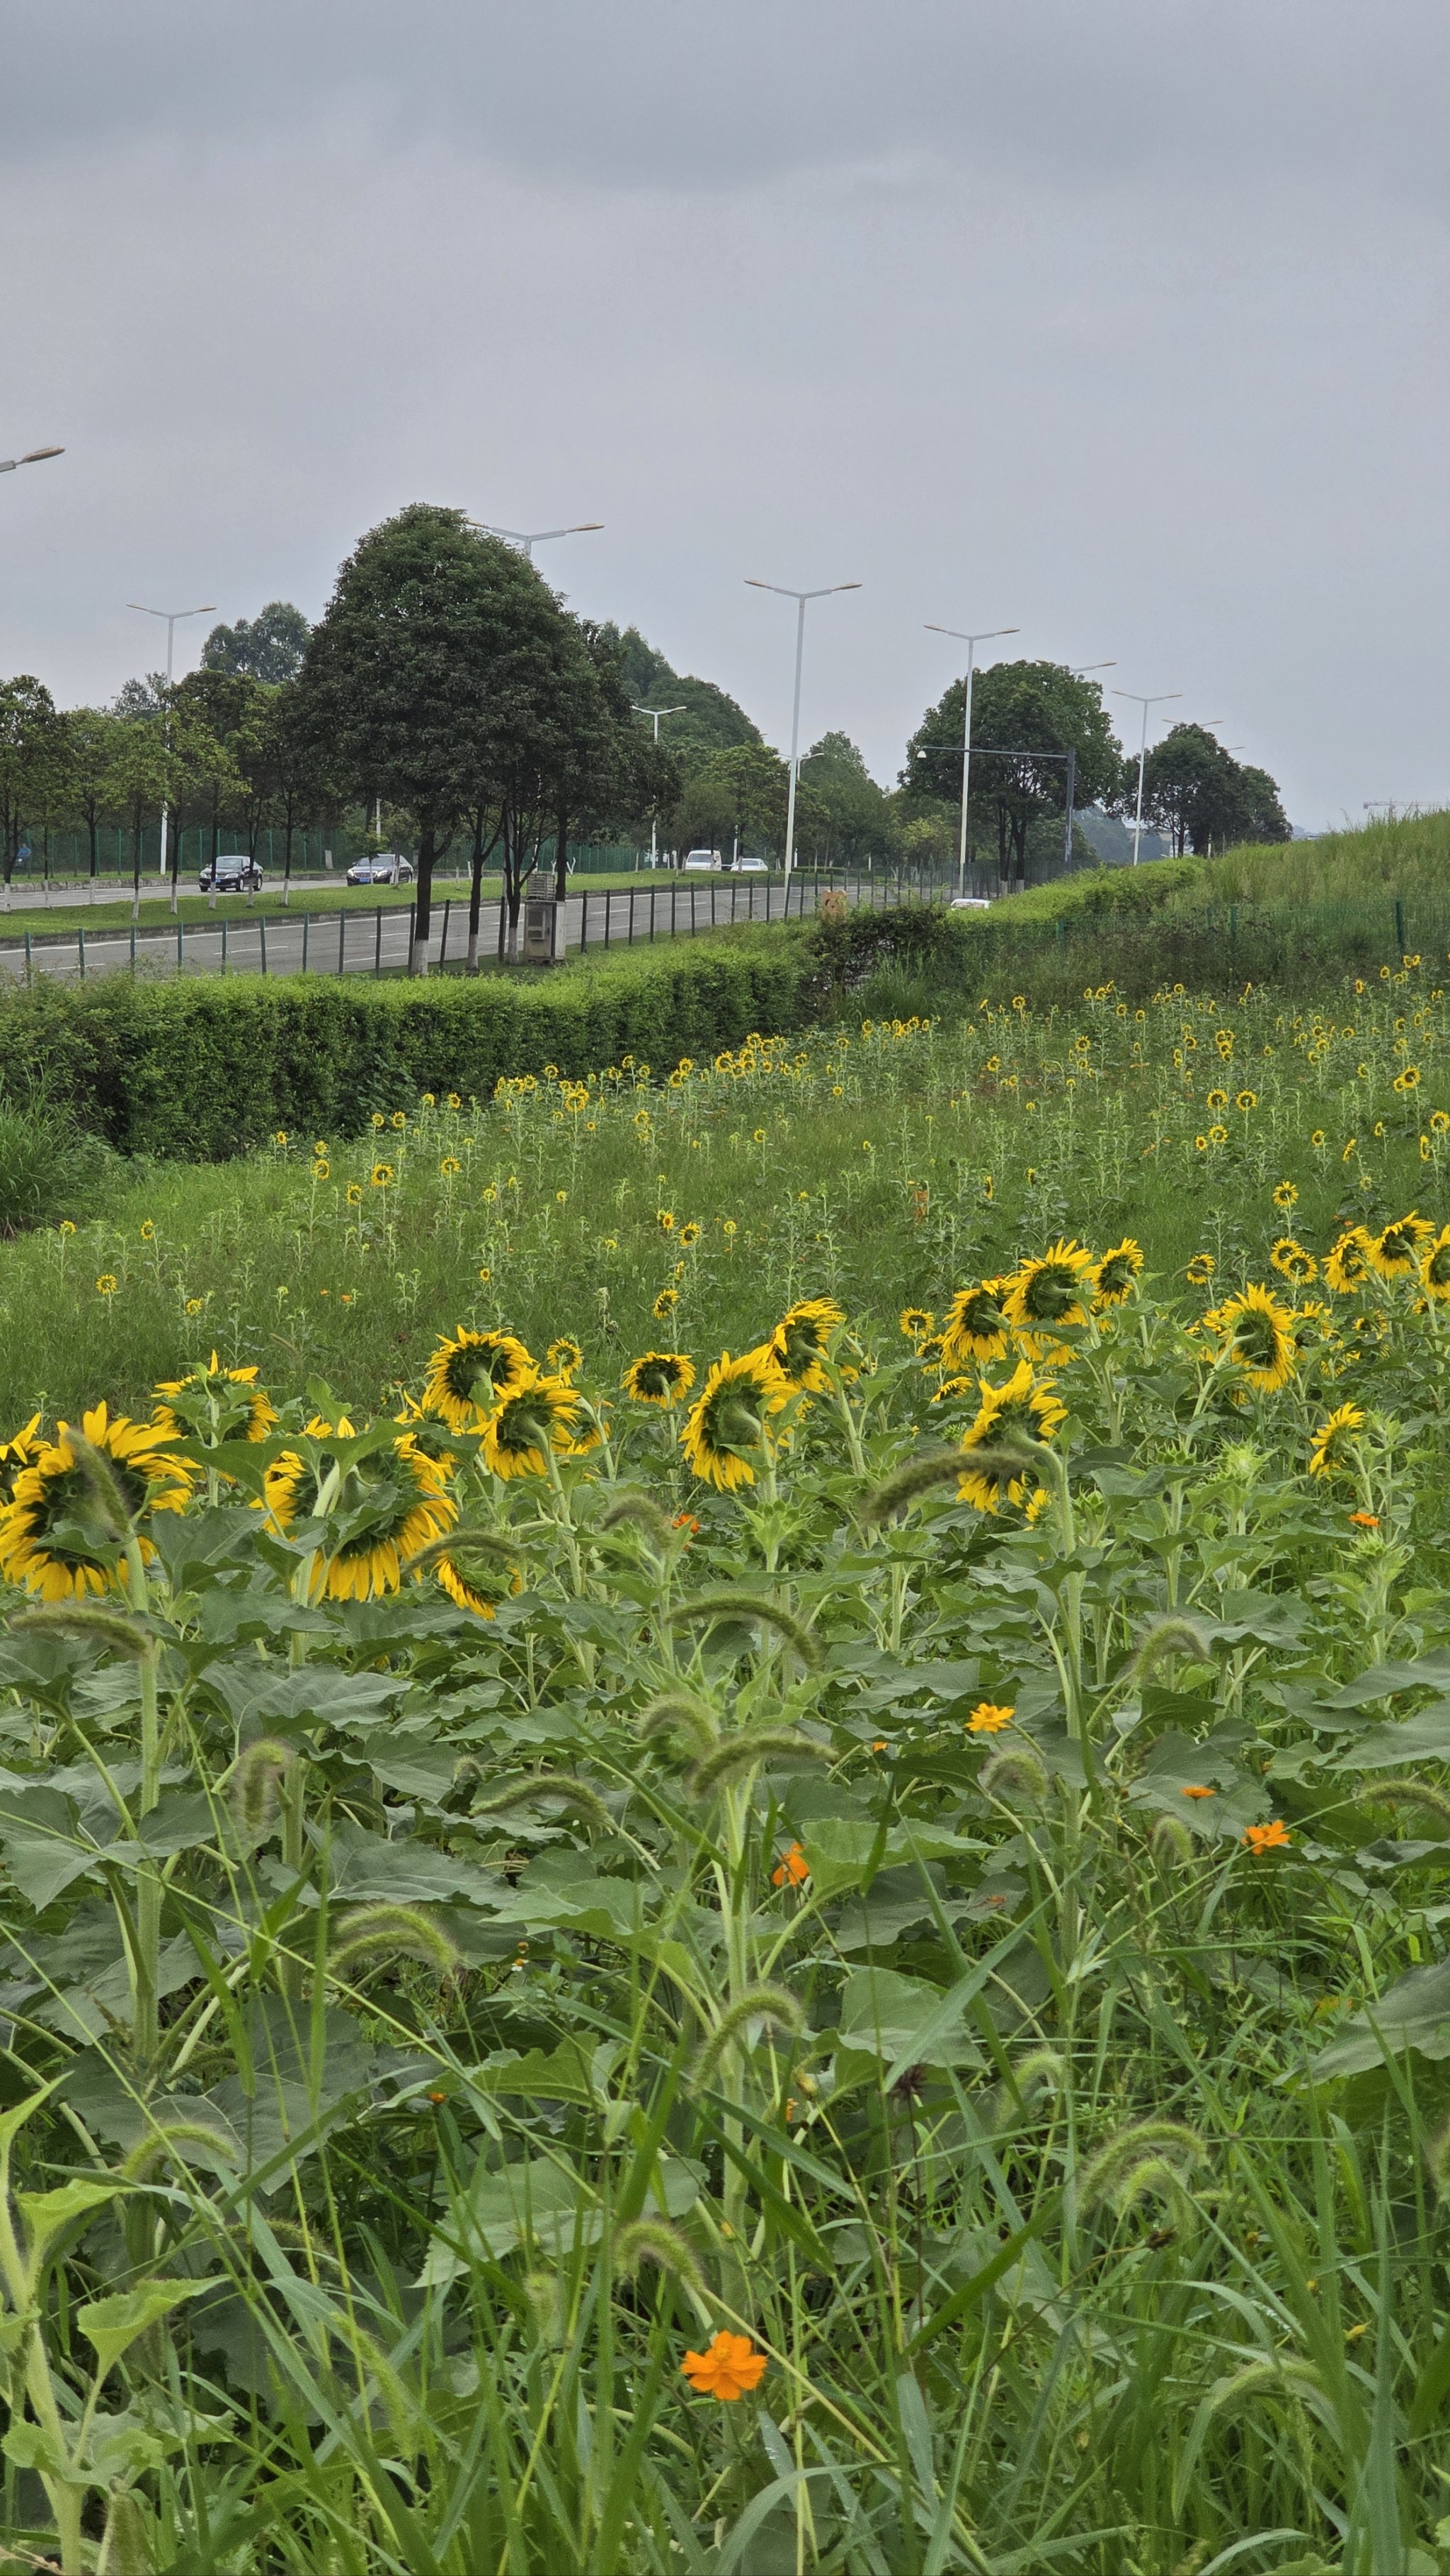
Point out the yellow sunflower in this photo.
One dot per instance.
(1050, 1290)
(17, 1452)
(386, 1507)
(1258, 1336)
(1116, 1275)
(474, 1583)
(976, 1328)
(1026, 1405)
(542, 1414)
(467, 1375)
(1348, 1265)
(1291, 1261)
(1435, 1267)
(1334, 1437)
(215, 1404)
(801, 1341)
(1395, 1253)
(729, 1416)
(50, 1539)
(1200, 1270)
(564, 1358)
(659, 1377)
(916, 1322)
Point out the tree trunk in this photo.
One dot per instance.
(423, 900)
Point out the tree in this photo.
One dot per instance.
(89, 748)
(707, 718)
(220, 713)
(284, 766)
(738, 793)
(1025, 717)
(435, 679)
(1196, 792)
(841, 813)
(270, 647)
(30, 757)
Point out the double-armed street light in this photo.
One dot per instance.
(800, 597)
(987, 635)
(173, 617)
(1161, 700)
(655, 713)
(528, 538)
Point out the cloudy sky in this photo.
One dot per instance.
(1119, 321)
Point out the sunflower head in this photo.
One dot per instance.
(381, 1510)
(659, 1377)
(475, 1582)
(976, 1327)
(214, 1404)
(1435, 1267)
(55, 1536)
(1116, 1275)
(1258, 1336)
(1333, 1445)
(801, 1341)
(17, 1452)
(916, 1322)
(729, 1415)
(1395, 1253)
(533, 1419)
(467, 1375)
(1349, 1264)
(1051, 1289)
(1291, 1260)
(564, 1358)
(1200, 1270)
(1024, 1408)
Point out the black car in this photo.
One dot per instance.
(238, 875)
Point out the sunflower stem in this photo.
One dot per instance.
(146, 1957)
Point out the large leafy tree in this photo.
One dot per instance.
(1026, 716)
(742, 791)
(841, 813)
(269, 646)
(88, 750)
(31, 755)
(1198, 794)
(436, 679)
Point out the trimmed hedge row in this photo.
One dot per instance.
(210, 1068)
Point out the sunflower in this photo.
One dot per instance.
(541, 1415)
(659, 1377)
(17, 1452)
(1348, 1265)
(215, 1404)
(665, 1304)
(1115, 1276)
(916, 1322)
(1200, 1270)
(564, 1358)
(1396, 1252)
(49, 1537)
(1291, 1260)
(729, 1415)
(474, 1582)
(386, 1507)
(1286, 1197)
(689, 1234)
(466, 1376)
(1435, 1267)
(1025, 1405)
(430, 1436)
(1257, 1334)
(801, 1341)
(1333, 1437)
(1050, 1290)
(1215, 1100)
(976, 1328)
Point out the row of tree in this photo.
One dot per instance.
(447, 684)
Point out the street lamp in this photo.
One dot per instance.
(1080, 670)
(656, 712)
(1145, 703)
(988, 635)
(531, 537)
(800, 597)
(173, 617)
(33, 456)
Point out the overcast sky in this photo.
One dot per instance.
(1120, 321)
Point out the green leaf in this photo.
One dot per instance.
(841, 1849)
(113, 2324)
(562, 2075)
(906, 2022)
(1412, 2013)
(47, 2214)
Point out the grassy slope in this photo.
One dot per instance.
(1407, 858)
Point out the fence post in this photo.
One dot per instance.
(652, 891)
(262, 926)
(82, 944)
(306, 934)
(377, 946)
(583, 919)
(443, 942)
(133, 947)
(224, 943)
(27, 957)
(1399, 927)
(180, 953)
(608, 900)
(631, 916)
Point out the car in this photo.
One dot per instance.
(237, 874)
(752, 866)
(388, 868)
(969, 903)
(701, 862)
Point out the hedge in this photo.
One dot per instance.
(209, 1068)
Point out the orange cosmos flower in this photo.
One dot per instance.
(727, 2370)
(1262, 1838)
(987, 1719)
(1364, 1520)
(794, 1867)
(1196, 1792)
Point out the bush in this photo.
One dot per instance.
(43, 1164)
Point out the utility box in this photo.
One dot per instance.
(543, 930)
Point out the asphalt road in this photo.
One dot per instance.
(367, 941)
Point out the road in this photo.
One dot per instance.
(367, 942)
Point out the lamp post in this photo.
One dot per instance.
(656, 713)
(32, 456)
(1080, 670)
(528, 538)
(988, 635)
(1161, 700)
(800, 597)
(173, 617)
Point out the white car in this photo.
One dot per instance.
(752, 867)
(970, 903)
(701, 862)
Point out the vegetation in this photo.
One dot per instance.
(1204, 799)
(826, 1959)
